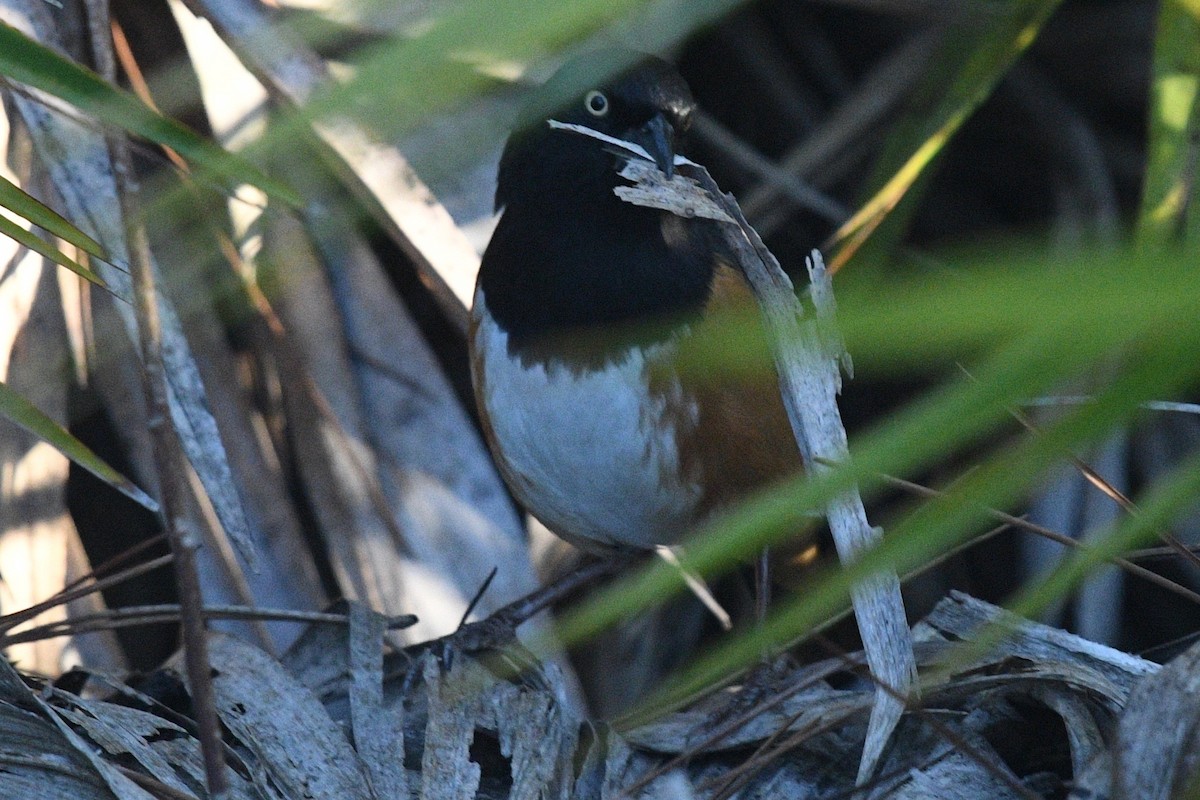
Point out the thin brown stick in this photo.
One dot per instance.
(724, 729)
(284, 351)
(9, 621)
(737, 777)
(169, 463)
(137, 81)
(277, 336)
(1055, 536)
(1158, 552)
(939, 727)
(155, 786)
(132, 616)
(111, 564)
(1007, 520)
(1117, 496)
(292, 362)
(1097, 480)
(498, 630)
(168, 454)
(802, 194)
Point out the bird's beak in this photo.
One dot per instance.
(658, 137)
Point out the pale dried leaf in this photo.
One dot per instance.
(378, 730)
(960, 617)
(76, 159)
(320, 656)
(333, 459)
(807, 355)
(454, 710)
(653, 189)
(375, 172)
(36, 532)
(282, 723)
(447, 771)
(13, 690)
(1157, 751)
(954, 777)
(43, 765)
(120, 730)
(538, 735)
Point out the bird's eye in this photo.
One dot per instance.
(596, 103)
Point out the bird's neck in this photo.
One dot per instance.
(569, 256)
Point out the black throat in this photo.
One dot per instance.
(571, 263)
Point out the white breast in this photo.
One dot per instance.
(590, 453)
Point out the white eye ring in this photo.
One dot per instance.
(596, 103)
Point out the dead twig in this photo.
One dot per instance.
(1055, 536)
(168, 458)
(10, 621)
(132, 616)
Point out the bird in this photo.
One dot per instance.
(585, 312)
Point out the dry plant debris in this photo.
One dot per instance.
(337, 718)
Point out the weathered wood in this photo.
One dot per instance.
(443, 725)
(807, 355)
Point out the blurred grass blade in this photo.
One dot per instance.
(958, 415)
(20, 411)
(457, 56)
(978, 60)
(1160, 504)
(1076, 312)
(40, 246)
(26, 205)
(946, 521)
(1171, 192)
(24, 60)
(398, 85)
(81, 172)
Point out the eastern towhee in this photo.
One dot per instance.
(583, 306)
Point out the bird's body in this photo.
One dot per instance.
(593, 452)
(583, 308)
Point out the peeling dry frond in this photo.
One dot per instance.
(435, 716)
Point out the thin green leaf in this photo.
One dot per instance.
(40, 246)
(1171, 191)
(29, 62)
(1047, 320)
(28, 416)
(978, 61)
(399, 84)
(26, 205)
(1158, 506)
(943, 523)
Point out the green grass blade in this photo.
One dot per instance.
(943, 523)
(26, 205)
(29, 62)
(42, 247)
(24, 413)
(1038, 322)
(1157, 507)
(1171, 190)
(461, 50)
(957, 415)
(398, 85)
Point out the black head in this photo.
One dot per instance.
(646, 103)
(569, 259)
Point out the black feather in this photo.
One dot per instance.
(571, 261)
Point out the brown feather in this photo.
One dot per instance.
(740, 439)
